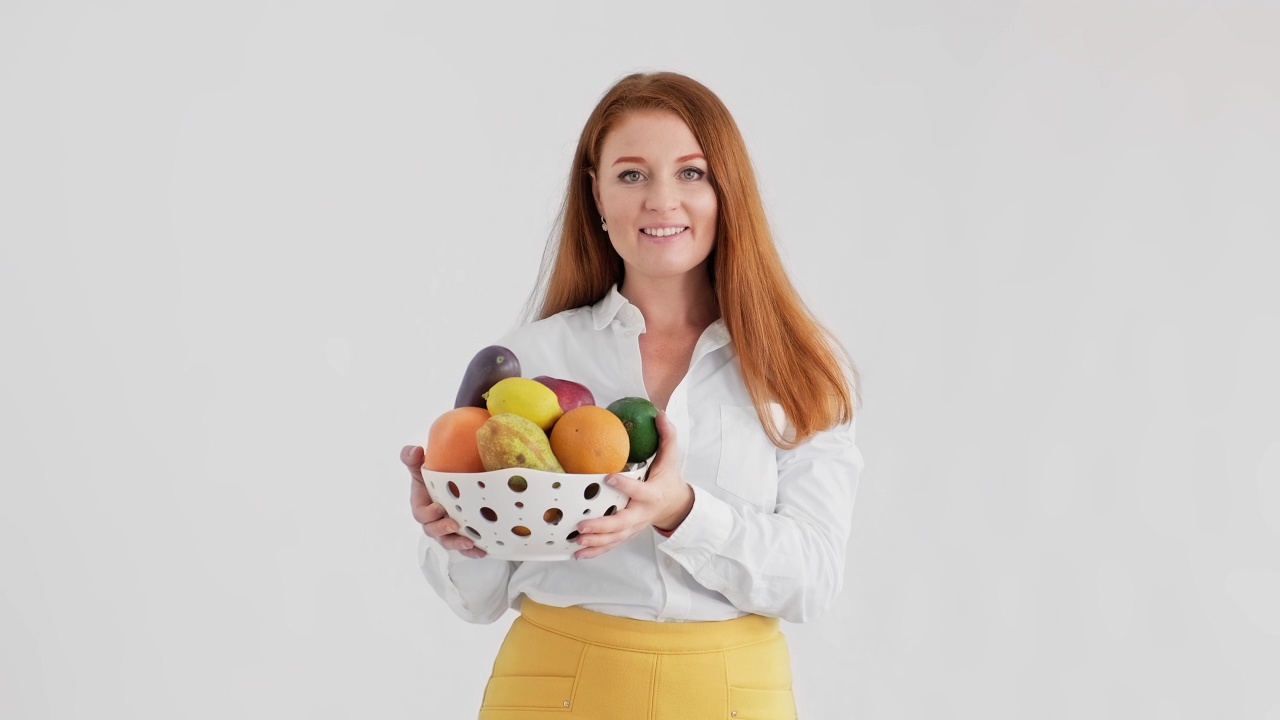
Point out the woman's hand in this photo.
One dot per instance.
(431, 515)
(663, 500)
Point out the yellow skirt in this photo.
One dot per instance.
(573, 663)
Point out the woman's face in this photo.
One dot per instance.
(653, 191)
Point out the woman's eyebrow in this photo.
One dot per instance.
(634, 159)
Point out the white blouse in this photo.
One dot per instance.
(768, 529)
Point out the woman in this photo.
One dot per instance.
(666, 284)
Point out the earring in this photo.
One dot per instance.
(604, 225)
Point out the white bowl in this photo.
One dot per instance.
(522, 514)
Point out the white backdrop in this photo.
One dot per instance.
(248, 249)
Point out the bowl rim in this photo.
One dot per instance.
(639, 471)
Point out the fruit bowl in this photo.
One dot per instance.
(523, 514)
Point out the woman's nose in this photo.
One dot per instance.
(662, 196)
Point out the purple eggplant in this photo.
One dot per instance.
(490, 365)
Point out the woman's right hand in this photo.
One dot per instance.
(431, 515)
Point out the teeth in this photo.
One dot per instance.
(662, 232)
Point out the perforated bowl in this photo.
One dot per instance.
(522, 514)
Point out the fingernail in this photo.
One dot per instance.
(611, 481)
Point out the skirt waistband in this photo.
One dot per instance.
(649, 636)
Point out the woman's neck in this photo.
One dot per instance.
(674, 303)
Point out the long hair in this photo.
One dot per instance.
(786, 356)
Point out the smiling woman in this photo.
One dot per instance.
(663, 208)
(664, 283)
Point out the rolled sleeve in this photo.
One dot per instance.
(703, 534)
(788, 563)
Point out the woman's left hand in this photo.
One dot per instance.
(663, 500)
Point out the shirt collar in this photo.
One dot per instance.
(611, 305)
(603, 312)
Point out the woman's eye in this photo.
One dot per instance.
(626, 176)
(692, 173)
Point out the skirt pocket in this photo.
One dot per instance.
(753, 704)
(529, 693)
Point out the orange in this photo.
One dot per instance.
(590, 439)
(451, 442)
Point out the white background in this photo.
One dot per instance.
(249, 247)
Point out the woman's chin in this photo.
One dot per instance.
(666, 270)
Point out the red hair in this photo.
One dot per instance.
(786, 356)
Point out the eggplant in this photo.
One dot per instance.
(490, 365)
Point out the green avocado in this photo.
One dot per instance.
(639, 417)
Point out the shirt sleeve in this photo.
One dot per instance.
(474, 588)
(788, 563)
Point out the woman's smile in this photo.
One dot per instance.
(664, 235)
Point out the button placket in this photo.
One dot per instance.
(629, 358)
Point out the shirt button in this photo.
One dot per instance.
(668, 563)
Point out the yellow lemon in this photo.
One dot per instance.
(526, 398)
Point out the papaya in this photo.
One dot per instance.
(489, 366)
(507, 440)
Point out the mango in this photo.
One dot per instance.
(569, 393)
(508, 440)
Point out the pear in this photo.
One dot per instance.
(507, 440)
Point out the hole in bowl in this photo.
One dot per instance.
(555, 485)
(520, 504)
(612, 509)
(517, 483)
(453, 489)
(587, 511)
(571, 535)
(552, 516)
(501, 543)
(480, 483)
(551, 542)
(592, 490)
(458, 508)
(474, 533)
(522, 531)
(488, 514)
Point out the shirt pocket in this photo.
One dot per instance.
(748, 461)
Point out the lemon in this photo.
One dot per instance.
(527, 398)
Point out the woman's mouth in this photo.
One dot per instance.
(665, 233)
